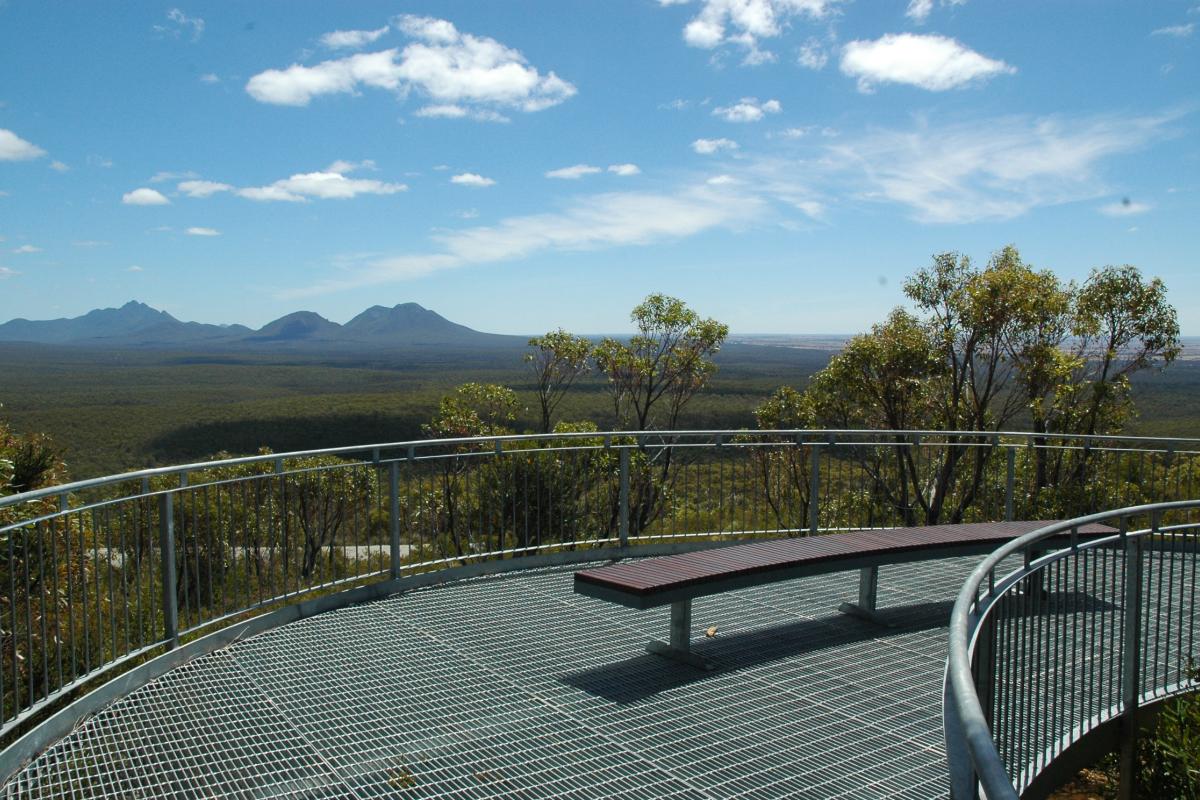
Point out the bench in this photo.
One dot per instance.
(678, 579)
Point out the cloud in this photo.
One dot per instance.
(27, 248)
(791, 133)
(678, 104)
(351, 40)
(930, 62)
(342, 167)
(476, 74)
(90, 243)
(135, 268)
(161, 176)
(748, 109)
(1178, 31)
(721, 180)
(99, 161)
(202, 232)
(624, 170)
(573, 173)
(745, 23)
(1125, 208)
(14, 148)
(5, 273)
(202, 188)
(319, 185)
(144, 197)
(59, 166)
(210, 78)
(451, 111)
(472, 179)
(919, 10)
(179, 23)
(989, 169)
(590, 223)
(812, 55)
(709, 146)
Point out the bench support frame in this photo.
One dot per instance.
(868, 593)
(680, 646)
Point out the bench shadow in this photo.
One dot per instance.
(645, 675)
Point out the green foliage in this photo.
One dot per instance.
(557, 360)
(1169, 761)
(668, 360)
(475, 409)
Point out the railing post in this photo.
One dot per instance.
(623, 498)
(1010, 482)
(394, 515)
(814, 488)
(1131, 679)
(166, 547)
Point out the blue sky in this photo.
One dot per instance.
(517, 166)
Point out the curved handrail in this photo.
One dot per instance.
(965, 619)
(1169, 444)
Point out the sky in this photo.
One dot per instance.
(781, 165)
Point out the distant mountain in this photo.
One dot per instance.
(294, 327)
(406, 322)
(138, 325)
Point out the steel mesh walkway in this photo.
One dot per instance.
(513, 686)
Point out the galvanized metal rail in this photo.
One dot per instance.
(99, 575)
(1057, 659)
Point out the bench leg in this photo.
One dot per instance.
(868, 590)
(680, 648)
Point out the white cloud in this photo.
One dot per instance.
(14, 148)
(988, 169)
(813, 55)
(707, 147)
(573, 173)
(919, 10)
(27, 248)
(678, 104)
(319, 185)
(135, 268)
(197, 231)
(178, 23)
(624, 170)
(476, 74)
(748, 109)
(745, 23)
(721, 180)
(467, 213)
(452, 111)
(351, 40)
(144, 197)
(792, 133)
(607, 220)
(931, 62)
(59, 166)
(89, 243)
(342, 167)
(99, 161)
(159, 177)
(210, 78)
(202, 188)
(1125, 208)
(472, 179)
(1178, 31)
(5, 272)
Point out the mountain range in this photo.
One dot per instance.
(140, 326)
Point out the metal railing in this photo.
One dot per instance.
(98, 575)
(1052, 653)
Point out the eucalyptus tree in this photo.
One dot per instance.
(557, 360)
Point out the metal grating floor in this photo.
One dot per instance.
(513, 686)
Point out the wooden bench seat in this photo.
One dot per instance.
(678, 579)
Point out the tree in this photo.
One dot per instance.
(668, 360)
(557, 360)
(980, 349)
(475, 409)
